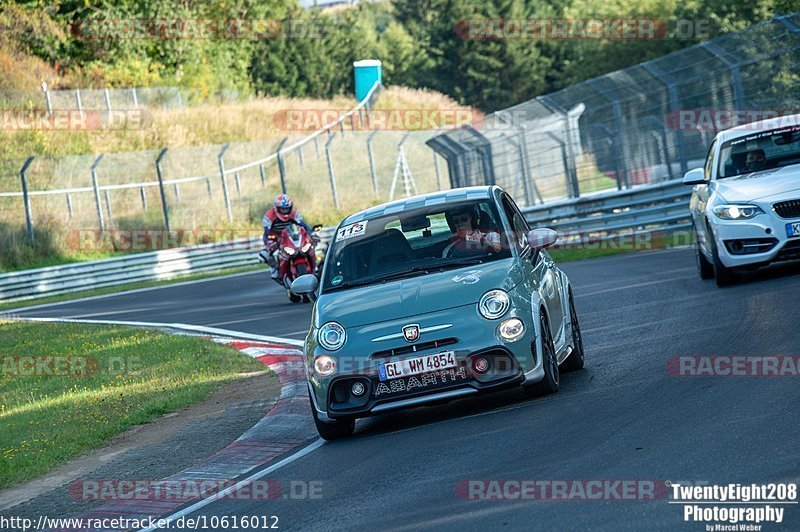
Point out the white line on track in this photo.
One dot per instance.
(239, 485)
(178, 326)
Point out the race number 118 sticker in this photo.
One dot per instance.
(352, 230)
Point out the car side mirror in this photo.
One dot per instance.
(306, 285)
(696, 176)
(541, 238)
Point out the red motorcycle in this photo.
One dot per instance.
(296, 257)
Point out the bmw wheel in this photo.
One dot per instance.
(704, 267)
(724, 275)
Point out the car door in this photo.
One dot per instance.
(540, 269)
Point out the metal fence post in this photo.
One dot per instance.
(670, 85)
(238, 184)
(331, 174)
(436, 169)
(78, 102)
(107, 96)
(23, 175)
(316, 145)
(144, 198)
(96, 188)
(48, 102)
(69, 205)
(108, 204)
(208, 187)
(160, 175)
(224, 182)
(372, 162)
(300, 155)
(263, 175)
(135, 98)
(661, 140)
(282, 164)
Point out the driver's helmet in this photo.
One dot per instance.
(283, 206)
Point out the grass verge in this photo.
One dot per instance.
(103, 380)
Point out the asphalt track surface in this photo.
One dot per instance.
(624, 417)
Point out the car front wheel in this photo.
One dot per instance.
(724, 275)
(575, 360)
(550, 381)
(704, 267)
(332, 430)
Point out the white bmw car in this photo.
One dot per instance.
(746, 200)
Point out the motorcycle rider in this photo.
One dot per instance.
(281, 215)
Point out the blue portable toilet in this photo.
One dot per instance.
(367, 72)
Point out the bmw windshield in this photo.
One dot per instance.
(760, 151)
(415, 242)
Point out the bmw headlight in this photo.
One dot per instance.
(737, 212)
(494, 304)
(324, 365)
(331, 336)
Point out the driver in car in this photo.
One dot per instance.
(756, 160)
(466, 236)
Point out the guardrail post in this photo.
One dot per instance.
(160, 175)
(23, 175)
(263, 175)
(224, 182)
(48, 102)
(96, 188)
(372, 162)
(331, 173)
(69, 205)
(282, 164)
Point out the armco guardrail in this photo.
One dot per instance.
(151, 266)
(657, 207)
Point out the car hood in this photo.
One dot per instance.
(777, 184)
(416, 295)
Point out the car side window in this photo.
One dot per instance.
(709, 166)
(518, 224)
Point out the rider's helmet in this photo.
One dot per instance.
(283, 206)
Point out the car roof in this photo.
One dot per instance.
(454, 195)
(743, 130)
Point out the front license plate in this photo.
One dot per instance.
(415, 366)
(793, 229)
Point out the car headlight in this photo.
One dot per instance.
(493, 304)
(511, 329)
(288, 250)
(737, 212)
(306, 247)
(331, 336)
(324, 365)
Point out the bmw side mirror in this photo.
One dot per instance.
(541, 238)
(695, 176)
(306, 285)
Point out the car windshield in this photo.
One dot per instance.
(765, 150)
(414, 242)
